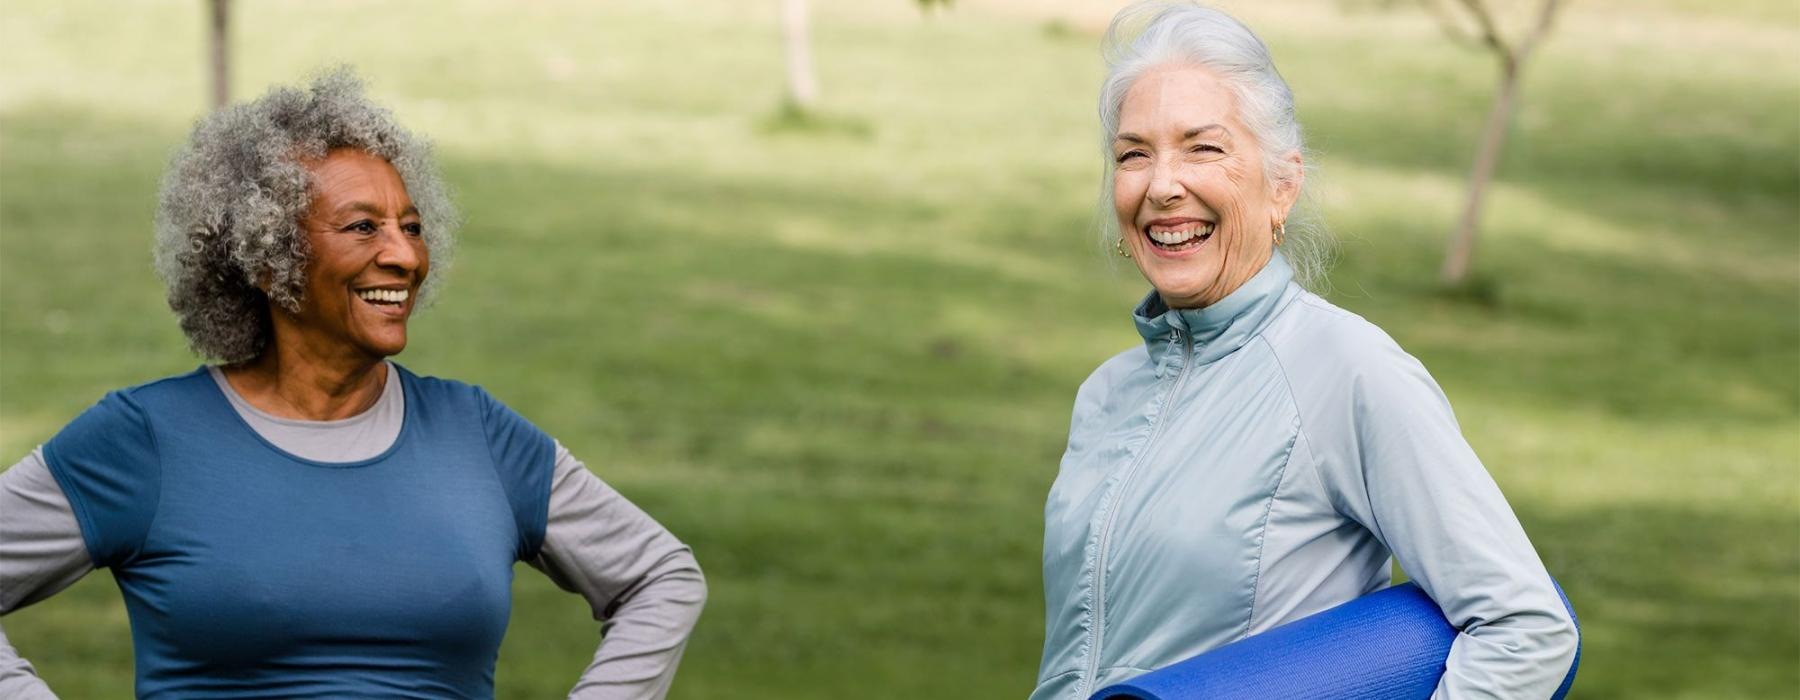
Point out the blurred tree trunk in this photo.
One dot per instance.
(802, 82)
(1459, 255)
(221, 53)
(802, 85)
(1487, 157)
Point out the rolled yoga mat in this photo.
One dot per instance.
(1390, 644)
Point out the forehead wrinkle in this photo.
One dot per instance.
(372, 209)
(355, 184)
(1176, 119)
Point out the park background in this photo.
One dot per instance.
(836, 352)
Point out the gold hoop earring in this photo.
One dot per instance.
(1280, 233)
(1119, 246)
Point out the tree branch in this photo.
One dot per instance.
(1453, 30)
(1489, 34)
(1546, 17)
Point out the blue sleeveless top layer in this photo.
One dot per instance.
(250, 572)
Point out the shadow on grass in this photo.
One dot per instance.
(1677, 602)
(1659, 339)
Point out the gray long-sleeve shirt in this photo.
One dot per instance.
(640, 581)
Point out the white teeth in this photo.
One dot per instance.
(1172, 237)
(390, 296)
(1181, 236)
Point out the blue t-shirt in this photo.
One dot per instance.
(250, 572)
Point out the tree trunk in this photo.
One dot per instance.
(803, 87)
(1493, 140)
(221, 55)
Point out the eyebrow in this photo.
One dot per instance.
(372, 210)
(1190, 133)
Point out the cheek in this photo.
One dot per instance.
(1235, 196)
(1128, 192)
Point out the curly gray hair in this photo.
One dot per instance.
(228, 223)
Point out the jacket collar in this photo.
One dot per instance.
(1220, 329)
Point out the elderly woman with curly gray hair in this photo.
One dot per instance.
(306, 517)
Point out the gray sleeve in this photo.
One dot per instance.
(643, 584)
(1394, 460)
(41, 552)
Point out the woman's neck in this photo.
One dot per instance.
(289, 382)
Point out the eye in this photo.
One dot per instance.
(1206, 148)
(363, 226)
(414, 229)
(1128, 155)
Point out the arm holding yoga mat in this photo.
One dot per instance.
(1397, 464)
(1388, 645)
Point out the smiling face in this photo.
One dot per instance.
(1194, 206)
(366, 263)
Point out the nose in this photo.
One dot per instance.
(1165, 189)
(400, 251)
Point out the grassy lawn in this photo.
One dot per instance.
(838, 359)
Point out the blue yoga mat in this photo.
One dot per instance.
(1390, 644)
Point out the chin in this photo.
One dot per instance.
(384, 348)
(1184, 291)
(1190, 273)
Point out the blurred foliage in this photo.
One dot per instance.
(840, 364)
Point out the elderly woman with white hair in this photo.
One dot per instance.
(307, 518)
(1263, 454)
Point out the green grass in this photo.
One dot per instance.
(836, 354)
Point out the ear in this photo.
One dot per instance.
(1287, 187)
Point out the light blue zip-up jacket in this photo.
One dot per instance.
(1257, 461)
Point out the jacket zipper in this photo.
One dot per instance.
(1095, 636)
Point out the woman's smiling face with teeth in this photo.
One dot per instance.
(367, 259)
(1195, 208)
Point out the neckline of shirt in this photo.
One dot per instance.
(390, 393)
(1221, 328)
(380, 427)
